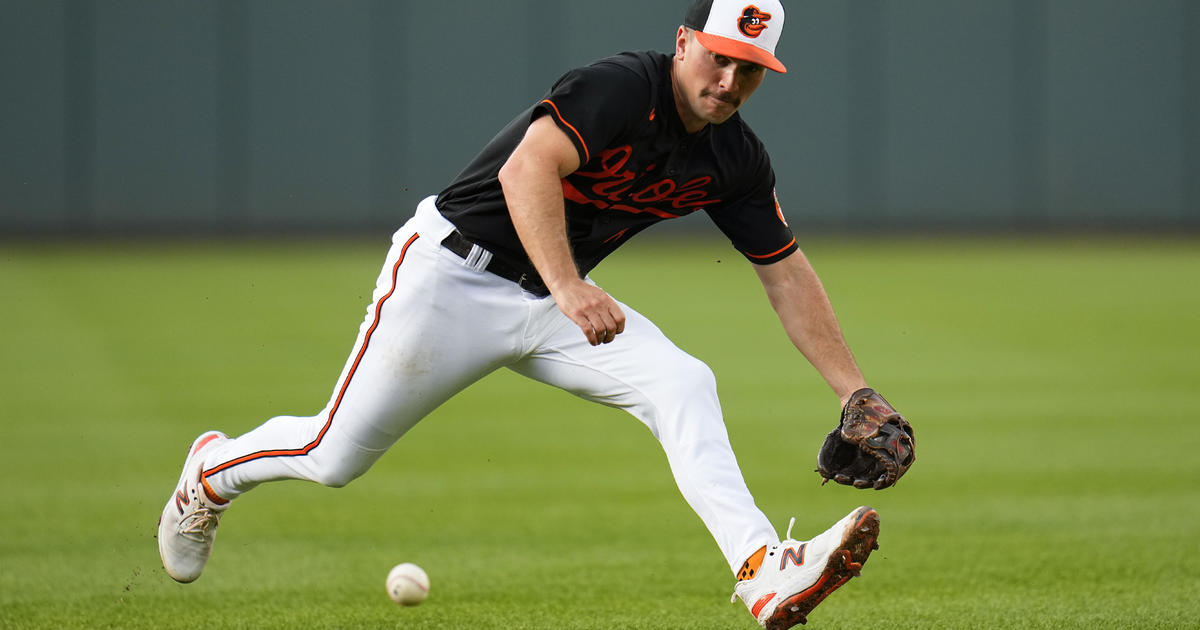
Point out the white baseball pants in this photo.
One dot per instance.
(437, 324)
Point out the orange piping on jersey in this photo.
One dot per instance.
(304, 450)
(587, 155)
(774, 252)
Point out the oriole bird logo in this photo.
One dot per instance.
(753, 21)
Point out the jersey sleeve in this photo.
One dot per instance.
(754, 223)
(595, 104)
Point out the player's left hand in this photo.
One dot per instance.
(872, 446)
(592, 309)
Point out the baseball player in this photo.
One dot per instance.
(493, 272)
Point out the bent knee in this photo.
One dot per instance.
(690, 375)
(682, 383)
(338, 476)
(336, 464)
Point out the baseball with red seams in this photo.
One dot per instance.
(407, 584)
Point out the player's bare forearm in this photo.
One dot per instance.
(799, 298)
(532, 184)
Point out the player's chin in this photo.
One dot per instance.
(720, 112)
(718, 118)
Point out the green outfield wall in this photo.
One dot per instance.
(232, 116)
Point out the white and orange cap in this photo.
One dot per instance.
(740, 29)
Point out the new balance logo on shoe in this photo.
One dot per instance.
(795, 554)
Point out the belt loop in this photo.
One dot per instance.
(478, 259)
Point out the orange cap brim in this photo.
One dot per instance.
(740, 50)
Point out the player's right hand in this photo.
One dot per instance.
(598, 316)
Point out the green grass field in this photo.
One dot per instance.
(1053, 385)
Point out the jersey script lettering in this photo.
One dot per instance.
(614, 183)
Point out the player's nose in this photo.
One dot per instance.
(728, 78)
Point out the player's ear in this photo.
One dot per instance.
(681, 41)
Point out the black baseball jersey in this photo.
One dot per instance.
(639, 167)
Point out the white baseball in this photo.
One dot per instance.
(407, 584)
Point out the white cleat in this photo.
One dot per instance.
(795, 576)
(188, 524)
